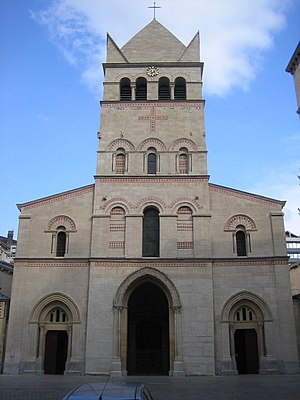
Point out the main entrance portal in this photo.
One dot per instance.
(148, 331)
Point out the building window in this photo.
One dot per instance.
(125, 89)
(240, 237)
(141, 89)
(151, 232)
(164, 92)
(151, 161)
(183, 163)
(57, 314)
(61, 241)
(180, 89)
(120, 161)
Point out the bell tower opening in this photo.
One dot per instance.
(148, 331)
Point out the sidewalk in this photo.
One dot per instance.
(242, 387)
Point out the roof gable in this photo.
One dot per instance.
(154, 43)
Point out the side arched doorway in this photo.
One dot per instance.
(54, 327)
(148, 331)
(247, 324)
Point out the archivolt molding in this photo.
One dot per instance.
(241, 298)
(121, 76)
(144, 274)
(240, 219)
(120, 143)
(116, 202)
(42, 308)
(189, 144)
(152, 142)
(180, 75)
(61, 220)
(185, 202)
(151, 201)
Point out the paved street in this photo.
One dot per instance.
(243, 387)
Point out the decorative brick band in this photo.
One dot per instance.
(184, 226)
(238, 262)
(155, 179)
(185, 245)
(175, 263)
(117, 227)
(133, 105)
(116, 245)
(51, 264)
(152, 199)
(246, 196)
(55, 198)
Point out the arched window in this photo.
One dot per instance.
(151, 232)
(120, 161)
(141, 89)
(240, 236)
(152, 161)
(164, 92)
(61, 240)
(57, 314)
(125, 89)
(180, 89)
(183, 163)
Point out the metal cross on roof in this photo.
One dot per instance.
(154, 8)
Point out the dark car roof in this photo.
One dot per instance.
(110, 391)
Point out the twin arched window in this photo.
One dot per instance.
(125, 89)
(164, 89)
(180, 89)
(141, 89)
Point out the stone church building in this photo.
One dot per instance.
(152, 269)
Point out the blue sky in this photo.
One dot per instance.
(51, 84)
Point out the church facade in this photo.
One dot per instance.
(152, 269)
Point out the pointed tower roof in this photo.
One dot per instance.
(192, 51)
(154, 43)
(114, 54)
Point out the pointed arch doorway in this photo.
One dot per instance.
(148, 331)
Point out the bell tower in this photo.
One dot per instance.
(152, 147)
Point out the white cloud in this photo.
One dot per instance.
(235, 34)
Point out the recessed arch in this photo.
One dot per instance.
(243, 297)
(144, 274)
(152, 142)
(44, 305)
(120, 143)
(179, 143)
(240, 219)
(61, 220)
